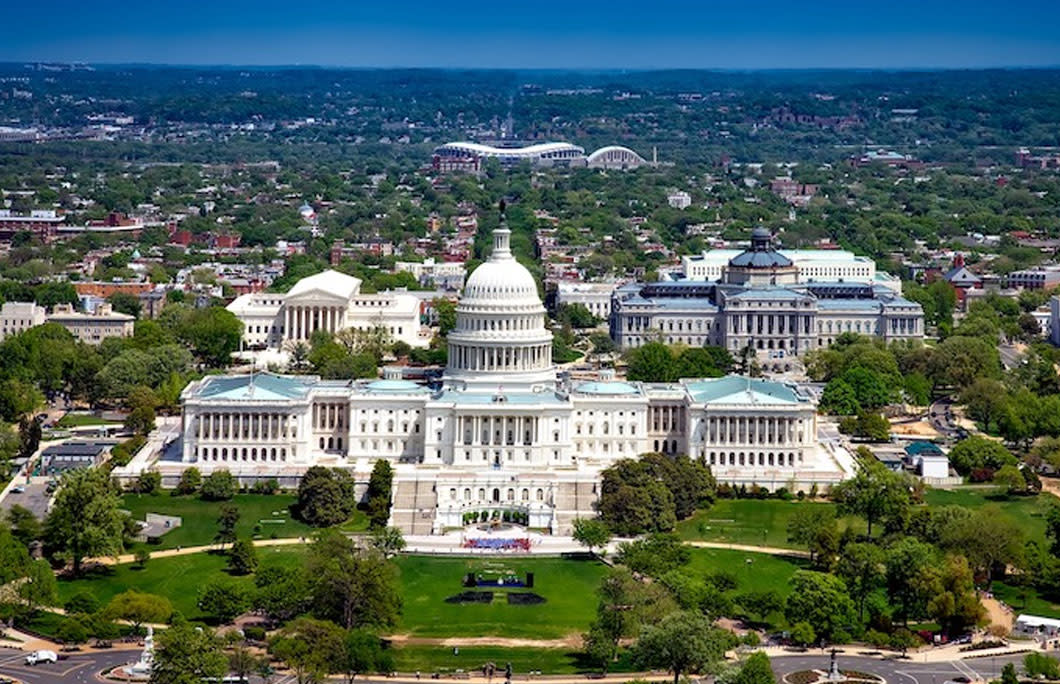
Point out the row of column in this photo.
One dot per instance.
(905, 326)
(244, 426)
(753, 430)
(302, 321)
(329, 416)
(493, 430)
(667, 418)
(767, 324)
(501, 358)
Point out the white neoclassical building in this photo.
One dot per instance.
(330, 301)
(761, 301)
(501, 432)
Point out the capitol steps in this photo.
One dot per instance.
(413, 506)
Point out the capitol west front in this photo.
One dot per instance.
(502, 433)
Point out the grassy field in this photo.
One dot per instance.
(1028, 601)
(82, 420)
(261, 516)
(750, 521)
(1026, 513)
(547, 660)
(569, 587)
(178, 577)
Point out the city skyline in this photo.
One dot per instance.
(587, 35)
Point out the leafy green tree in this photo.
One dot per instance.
(874, 493)
(281, 593)
(654, 555)
(125, 303)
(907, 566)
(1009, 480)
(223, 599)
(576, 316)
(185, 654)
(633, 500)
(380, 483)
(802, 633)
(821, 600)
(242, 557)
(387, 540)
(681, 643)
(651, 362)
(812, 526)
(220, 485)
(227, 520)
(24, 525)
(599, 647)
(756, 670)
(839, 398)
(352, 586)
(1041, 666)
(954, 604)
(325, 497)
(861, 567)
(591, 533)
(85, 518)
(138, 608)
(364, 653)
(313, 649)
(976, 452)
(190, 481)
(1008, 674)
(214, 333)
(760, 604)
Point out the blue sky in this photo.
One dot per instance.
(737, 34)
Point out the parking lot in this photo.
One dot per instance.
(35, 497)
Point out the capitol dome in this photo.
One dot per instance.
(501, 338)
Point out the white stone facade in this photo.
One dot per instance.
(500, 432)
(16, 317)
(329, 301)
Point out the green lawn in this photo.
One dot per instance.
(261, 516)
(753, 571)
(1027, 513)
(83, 419)
(548, 660)
(569, 587)
(750, 521)
(178, 577)
(1025, 601)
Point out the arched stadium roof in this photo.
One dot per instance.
(527, 152)
(612, 153)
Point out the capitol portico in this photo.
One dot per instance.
(502, 431)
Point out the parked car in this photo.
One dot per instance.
(18, 489)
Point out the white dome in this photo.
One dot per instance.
(501, 278)
(500, 338)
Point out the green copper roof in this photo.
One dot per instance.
(259, 387)
(735, 389)
(613, 388)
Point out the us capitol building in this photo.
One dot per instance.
(503, 432)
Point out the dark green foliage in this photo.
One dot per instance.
(219, 485)
(656, 362)
(379, 492)
(654, 555)
(325, 497)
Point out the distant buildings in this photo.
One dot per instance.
(596, 297)
(1025, 160)
(1038, 278)
(762, 303)
(42, 223)
(887, 158)
(329, 301)
(679, 199)
(447, 275)
(16, 317)
(469, 156)
(813, 265)
(93, 328)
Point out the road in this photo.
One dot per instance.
(77, 669)
(900, 671)
(35, 497)
(941, 416)
(82, 668)
(1010, 355)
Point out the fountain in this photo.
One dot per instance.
(141, 669)
(833, 676)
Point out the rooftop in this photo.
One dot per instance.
(255, 387)
(736, 389)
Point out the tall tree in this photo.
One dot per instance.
(186, 654)
(313, 649)
(683, 642)
(380, 483)
(591, 533)
(874, 493)
(226, 525)
(821, 600)
(85, 518)
(354, 587)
